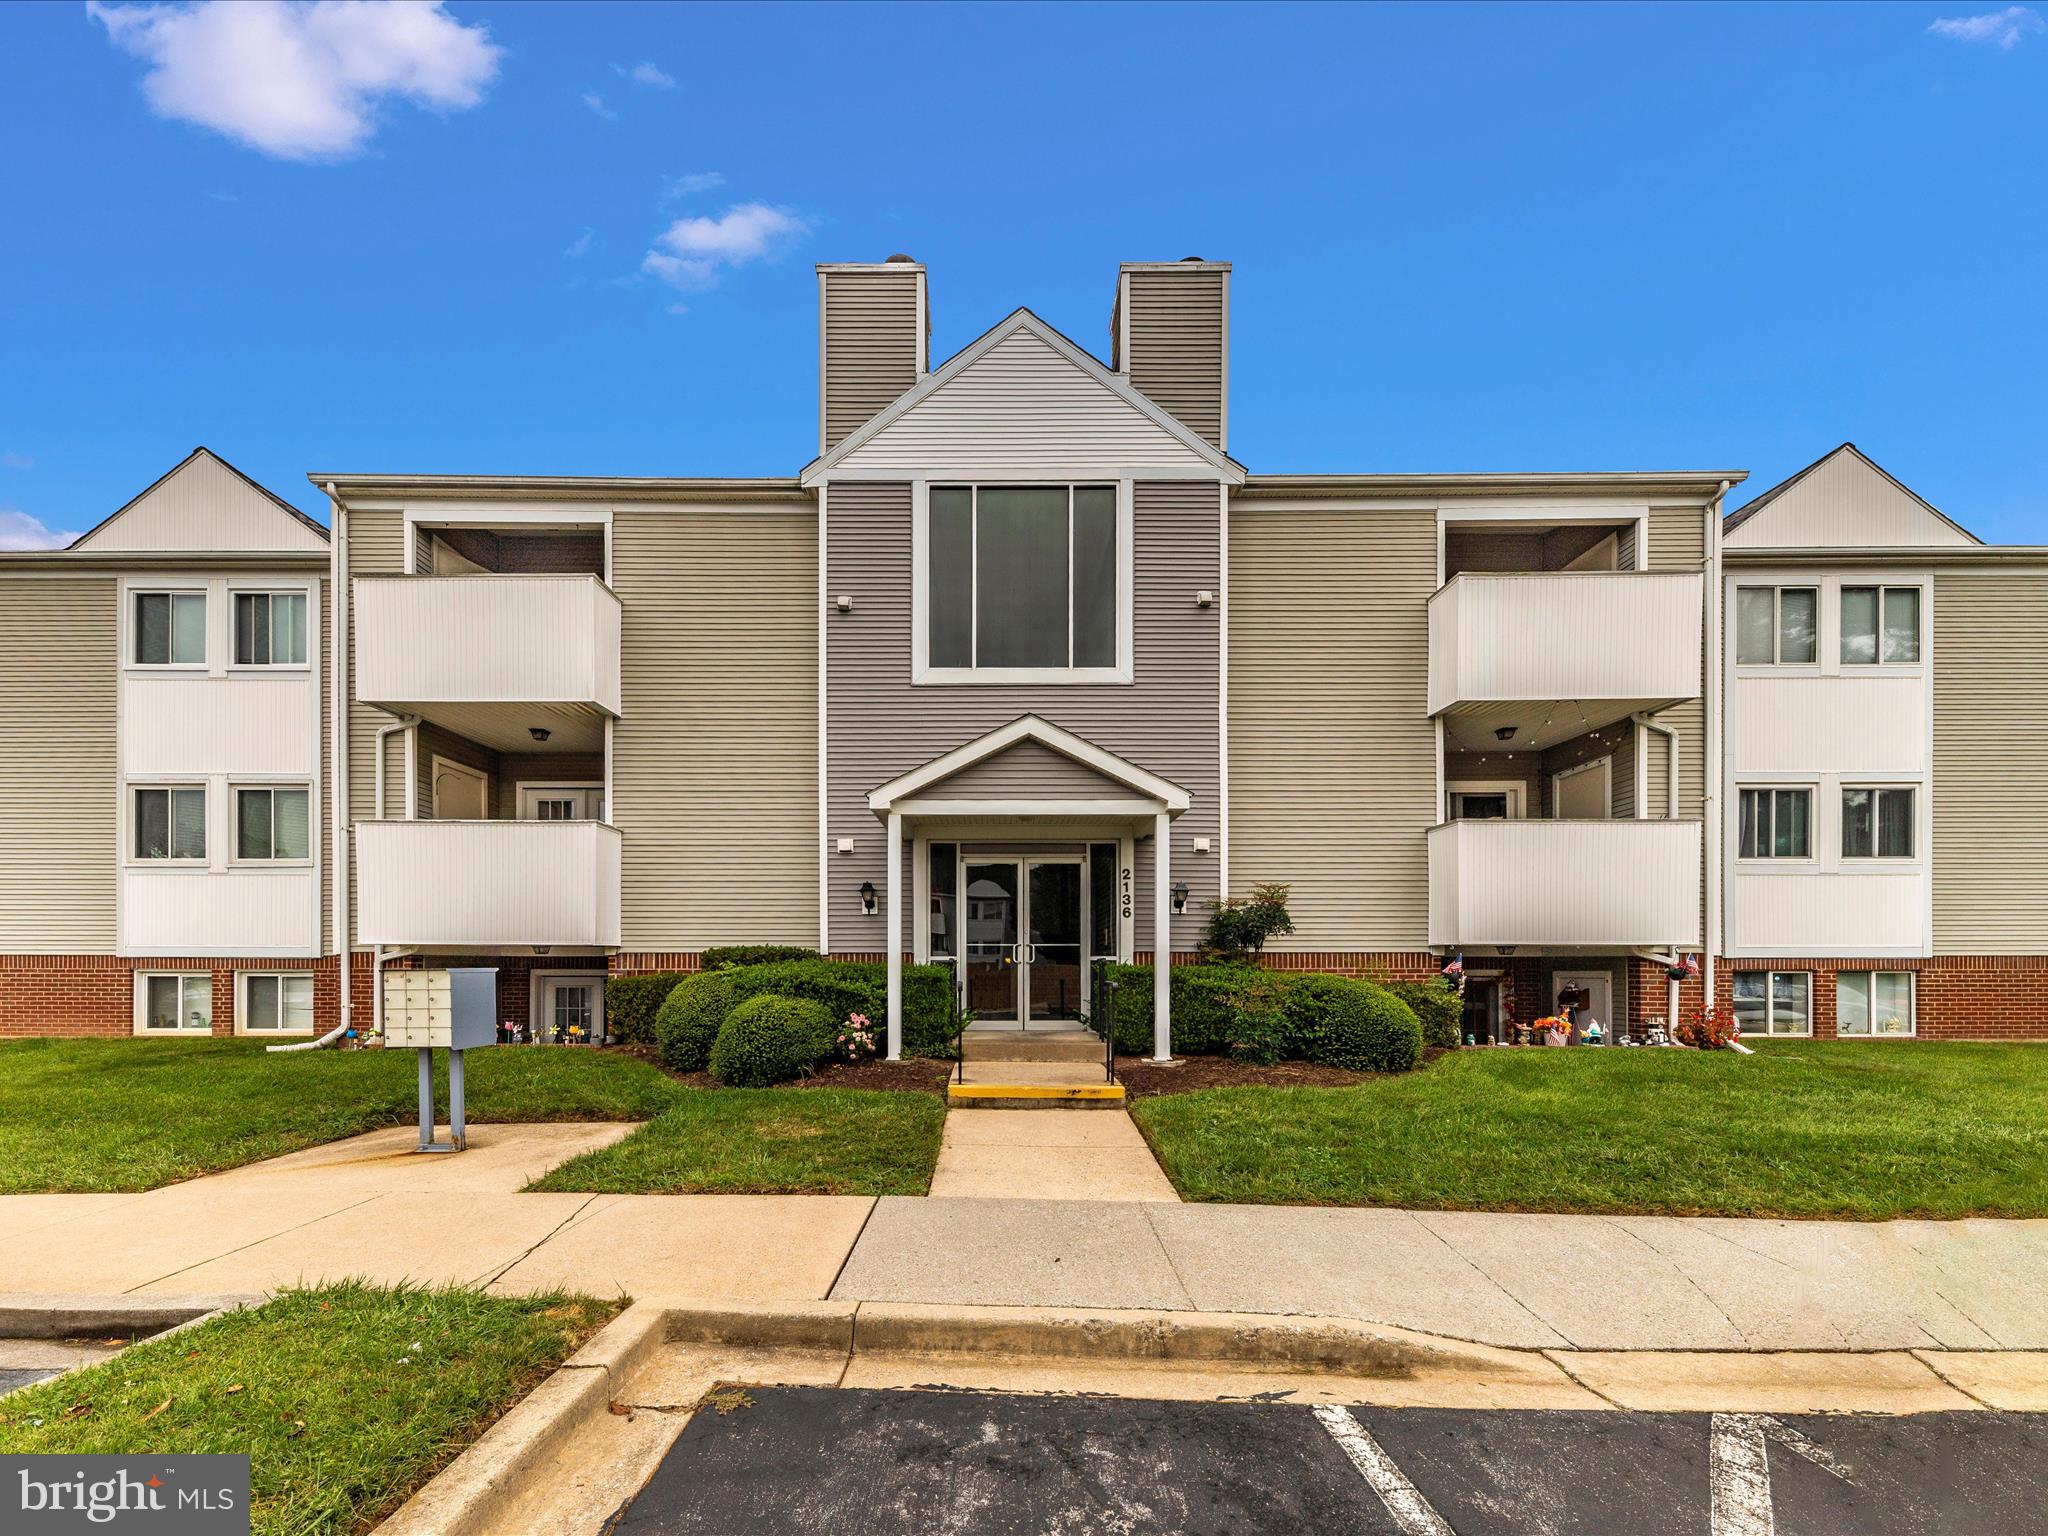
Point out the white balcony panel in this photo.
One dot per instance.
(487, 882)
(1565, 883)
(1623, 635)
(424, 640)
(168, 911)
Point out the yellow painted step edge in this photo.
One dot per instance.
(1033, 1091)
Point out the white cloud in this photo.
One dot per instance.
(2004, 28)
(20, 531)
(645, 73)
(581, 245)
(689, 253)
(595, 102)
(299, 80)
(691, 183)
(9, 459)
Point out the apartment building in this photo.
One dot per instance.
(161, 694)
(1024, 669)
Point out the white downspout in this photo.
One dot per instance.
(338, 697)
(1711, 749)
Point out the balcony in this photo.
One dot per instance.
(1504, 650)
(1573, 884)
(491, 657)
(487, 883)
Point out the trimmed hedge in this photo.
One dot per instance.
(1198, 996)
(1333, 1020)
(690, 1018)
(631, 1002)
(1437, 1005)
(770, 1039)
(1338, 1022)
(725, 956)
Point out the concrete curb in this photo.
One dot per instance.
(28, 1315)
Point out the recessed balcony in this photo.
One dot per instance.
(1552, 654)
(488, 883)
(491, 657)
(1572, 884)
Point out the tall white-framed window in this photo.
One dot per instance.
(167, 629)
(1877, 822)
(1777, 626)
(275, 1003)
(1878, 1004)
(1880, 626)
(1022, 583)
(1774, 1002)
(1775, 824)
(273, 824)
(168, 822)
(173, 1003)
(270, 629)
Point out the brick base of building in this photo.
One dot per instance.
(1955, 997)
(82, 995)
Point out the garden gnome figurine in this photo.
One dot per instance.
(1591, 1033)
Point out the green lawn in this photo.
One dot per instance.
(1859, 1130)
(829, 1141)
(346, 1398)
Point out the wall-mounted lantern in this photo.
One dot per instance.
(868, 904)
(1180, 896)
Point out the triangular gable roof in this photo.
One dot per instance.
(1843, 499)
(951, 409)
(1029, 728)
(204, 505)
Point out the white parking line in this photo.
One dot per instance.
(1403, 1499)
(1739, 1472)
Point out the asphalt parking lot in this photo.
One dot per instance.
(800, 1459)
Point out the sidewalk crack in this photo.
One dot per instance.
(1483, 1273)
(254, 1242)
(1704, 1294)
(490, 1279)
(1172, 1268)
(846, 1258)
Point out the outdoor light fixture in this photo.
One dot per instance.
(539, 732)
(1505, 733)
(868, 904)
(1180, 896)
(1503, 949)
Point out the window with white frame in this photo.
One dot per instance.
(277, 1004)
(169, 629)
(1777, 626)
(1775, 824)
(270, 629)
(170, 822)
(174, 1003)
(1774, 1002)
(272, 824)
(1022, 578)
(1880, 625)
(1874, 1003)
(1877, 823)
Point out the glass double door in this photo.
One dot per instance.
(1022, 941)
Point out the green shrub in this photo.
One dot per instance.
(631, 1002)
(690, 1017)
(1240, 925)
(848, 987)
(769, 1039)
(1339, 1022)
(1200, 997)
(1439, 1007)
(725, 956)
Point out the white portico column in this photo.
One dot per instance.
(895, 935)
(1162, 938)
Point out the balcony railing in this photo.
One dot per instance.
(1629, 636)
(1633, 884)
(487, 882)
(456, 640)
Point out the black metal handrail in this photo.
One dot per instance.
(958, 1017)
(1102, 1008)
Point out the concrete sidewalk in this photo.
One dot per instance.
(364, 1207)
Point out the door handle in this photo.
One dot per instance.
(1030, 954)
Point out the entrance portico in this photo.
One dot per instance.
(1020, 848)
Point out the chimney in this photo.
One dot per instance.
(873, 333)
(1170, 335)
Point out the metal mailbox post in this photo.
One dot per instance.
(452, 1010)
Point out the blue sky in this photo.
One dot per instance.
(1466, 238)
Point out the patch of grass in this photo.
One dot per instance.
(770, 1141)
(110, 1115)
(1857, 1130)
(346, 1398)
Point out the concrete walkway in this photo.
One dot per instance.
(1056, 1154)
(364, 1207)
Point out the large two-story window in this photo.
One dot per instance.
(1022, 580)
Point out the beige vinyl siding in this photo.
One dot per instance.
(203, 505)
(1332, 753)
(1177, 325)
(1844, 500)
(1678, 543)
(1028, 770)
(376, 547)
(1625, 548)
(1990, 844)
(715, 763)
(1165, 721)
(57, 816)
(870, 343)
(1624, 781)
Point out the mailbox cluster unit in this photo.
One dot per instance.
(452, 1010)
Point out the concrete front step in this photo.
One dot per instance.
(1035, 1095)
(1069, 1045)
